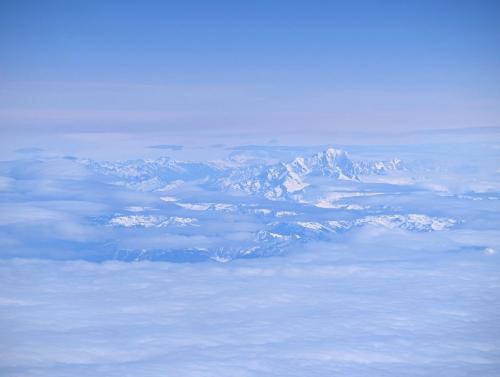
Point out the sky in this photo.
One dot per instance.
(241, 69)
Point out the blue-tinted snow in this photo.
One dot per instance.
(263, 261)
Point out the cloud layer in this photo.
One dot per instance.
(329, 310)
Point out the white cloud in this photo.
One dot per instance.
(349, 312)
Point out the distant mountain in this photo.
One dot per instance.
(333, 163)
(275, 181)
(275, 238)
(149, 175)
(279, 180)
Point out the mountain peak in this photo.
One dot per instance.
(334, 152)
(333, 163)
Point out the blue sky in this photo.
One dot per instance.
(237, 67)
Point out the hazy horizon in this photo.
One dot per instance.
(258, 70)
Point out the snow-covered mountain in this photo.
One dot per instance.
(273, 181)
(285, 178)
(151, 221)
(169, 209)
(284, 203)
(149, 174)
(275, 238)
(330, 163)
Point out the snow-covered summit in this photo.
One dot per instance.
(332, 163)
(279, 180)
(274, 181)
